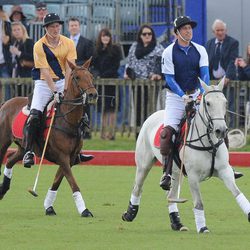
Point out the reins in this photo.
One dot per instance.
(208, 122)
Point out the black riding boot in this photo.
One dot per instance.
(32, 129)
(237, 175)
(166, 149)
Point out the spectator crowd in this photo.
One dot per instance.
(143, 61)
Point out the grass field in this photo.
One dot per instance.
(106, 191)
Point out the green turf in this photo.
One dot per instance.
(106, 191)
(120, 143)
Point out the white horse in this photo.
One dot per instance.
(205, 155)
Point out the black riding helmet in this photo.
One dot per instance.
(51, 18)
(183, 20)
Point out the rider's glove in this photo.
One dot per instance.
(187, 99)
(58, 96)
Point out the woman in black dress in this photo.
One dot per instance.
(21, 50)
(106, 62)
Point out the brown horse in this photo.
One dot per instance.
(64, 142)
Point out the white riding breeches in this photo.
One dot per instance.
(175, 108)
(42, 93)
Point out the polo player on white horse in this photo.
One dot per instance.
(182, 63)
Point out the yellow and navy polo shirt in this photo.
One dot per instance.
(53, 58)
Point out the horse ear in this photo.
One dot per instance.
(71, 65)
(204, 85)
(221, 83)
(87, 63)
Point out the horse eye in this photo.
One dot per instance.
(77, 78)
(208, 103)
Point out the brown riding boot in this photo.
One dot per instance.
(166, 149)
(237, 175)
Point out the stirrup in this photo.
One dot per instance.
(28, 159)
(165, 182)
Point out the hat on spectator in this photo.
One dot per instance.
(51, 18)
(183, 20)
(41, 5)
(17, 9)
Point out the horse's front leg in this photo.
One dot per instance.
(227, 175)
(80, 204)
(174, 216)
(198, 210)
(8, 171)
(52, 192)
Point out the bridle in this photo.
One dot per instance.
(207, 120)
(210, 124)
(82, 100)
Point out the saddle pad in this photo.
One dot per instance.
(181, 135)
(18, 124)
(20, 120)
(157, 137)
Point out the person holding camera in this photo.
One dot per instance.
(243, 66)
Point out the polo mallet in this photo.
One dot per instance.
(181, 200)
(33, 191)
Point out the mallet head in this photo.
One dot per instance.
(33, 192)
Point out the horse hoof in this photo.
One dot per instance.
(50, 211)
(176, 224)
(179, 227)
(248, 217)
(127, 217)
(237, 174)
(87, 213)
(131, 212)
(183, 229)
(204, 230)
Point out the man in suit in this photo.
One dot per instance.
(222, 51)
(84, 50)
(84, 47)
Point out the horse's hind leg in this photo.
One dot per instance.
(174, 216)
(5, 143)
(11, 160)
(144, 162)
(227, 176)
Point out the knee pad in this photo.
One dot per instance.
(166, 143)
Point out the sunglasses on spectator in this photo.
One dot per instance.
(42, 8)
(147, 33)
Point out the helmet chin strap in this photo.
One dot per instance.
(47, 33)
(185, 40)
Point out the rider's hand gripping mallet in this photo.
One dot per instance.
(33, 191)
